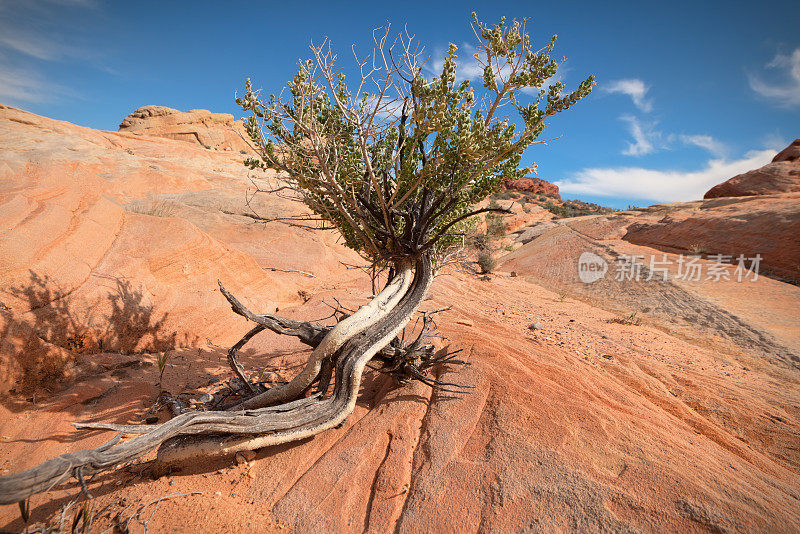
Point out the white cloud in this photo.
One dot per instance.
(647, 139)
(785, 93)
(714, 147)
(660, 185)
(634, 88)
(644, 137)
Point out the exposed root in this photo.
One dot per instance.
(231, 431)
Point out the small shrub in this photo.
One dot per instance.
(495, 225)
(161, 360)
(697, 249)
(480, 241)
(631, 319)
(486, 262)
(503, 194)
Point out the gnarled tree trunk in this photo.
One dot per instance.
(221, 432)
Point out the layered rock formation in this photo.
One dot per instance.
(105, 235)
(764, 225)
(755, 213)
(782, 175)
(534, 185)
(212, 130)
(110, 251)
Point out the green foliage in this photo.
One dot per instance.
(398, 175)
(480, 241)
(161, 360)
(575, 208)
(495, 225)
(486, 262)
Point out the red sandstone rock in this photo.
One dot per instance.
(533, 185)
(765, 225)
(782, 175)
(790, 153)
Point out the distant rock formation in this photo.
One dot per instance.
(782, 175)
(531, 184)
(212, 130)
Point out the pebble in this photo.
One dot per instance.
(243, 457)
(202, 399)
(535, 326)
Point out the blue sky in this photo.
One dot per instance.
(688, 93)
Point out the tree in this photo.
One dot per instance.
(396, 166)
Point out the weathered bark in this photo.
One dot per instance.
(329, 412)
(366, 316)
(244, 429)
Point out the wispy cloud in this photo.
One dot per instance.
(647, 139)
(775, 140)
(634, 88)
(644, 137)
(713, 146)
(19, 85)
(32, 33)
(786, 91)
(661, 185)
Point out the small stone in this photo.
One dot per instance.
(269, 376)
(204, 398)
(151, 420)
(248, 455)
(513, 274)
(607, 356)
(535, 326)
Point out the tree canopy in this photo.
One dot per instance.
(397, 163)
